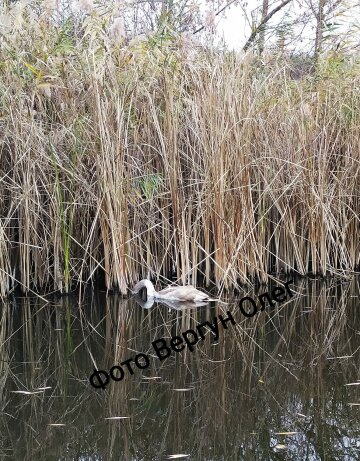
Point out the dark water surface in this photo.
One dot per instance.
(274, 387)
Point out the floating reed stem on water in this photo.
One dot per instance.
(136, 160)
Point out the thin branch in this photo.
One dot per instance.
(263, 22)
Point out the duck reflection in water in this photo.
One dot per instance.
(176, 305)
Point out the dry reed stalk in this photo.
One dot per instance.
(135, 162)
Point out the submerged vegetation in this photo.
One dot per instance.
(154, 158)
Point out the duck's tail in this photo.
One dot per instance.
(217, 300)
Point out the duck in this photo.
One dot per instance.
(184, 293)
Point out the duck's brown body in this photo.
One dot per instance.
(186, 293)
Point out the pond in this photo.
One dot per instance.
(282, 385)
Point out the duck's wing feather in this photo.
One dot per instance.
(181, 305)
(184, 293)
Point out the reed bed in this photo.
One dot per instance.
(153, 159)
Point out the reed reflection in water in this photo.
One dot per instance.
(274, 387)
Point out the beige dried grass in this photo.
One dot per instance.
(135, 161)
